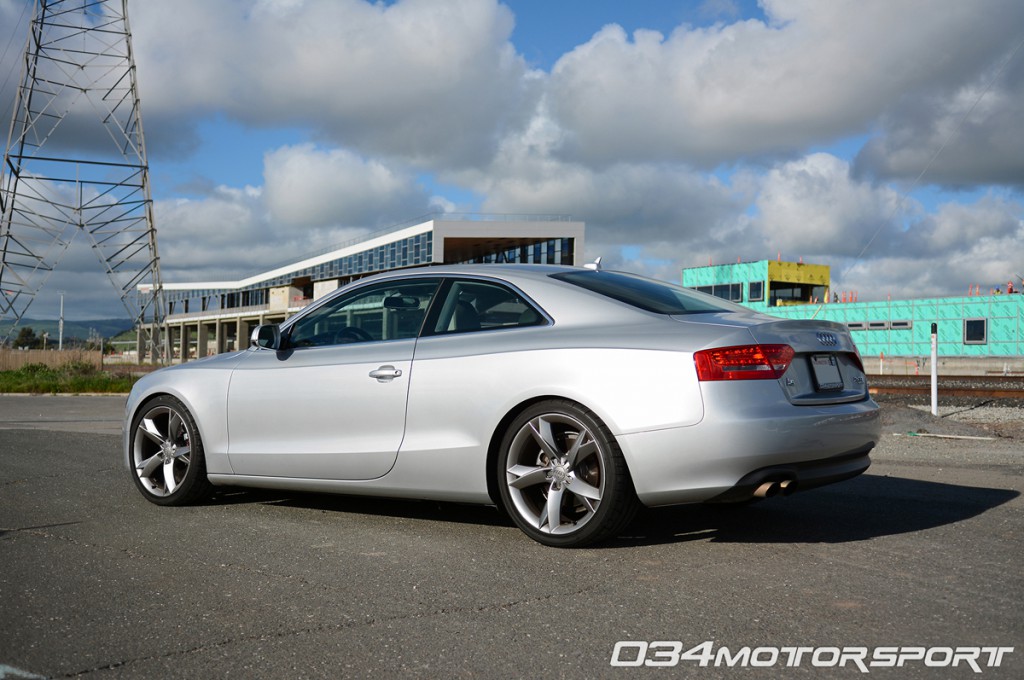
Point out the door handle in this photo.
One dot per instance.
(386, 373)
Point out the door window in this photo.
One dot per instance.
(392, 310)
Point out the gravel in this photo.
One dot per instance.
(981, 416)
(912, 436)
(1000, 418)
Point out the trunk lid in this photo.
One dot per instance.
(826, 367)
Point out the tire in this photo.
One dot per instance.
(168, 465)
(558, 457)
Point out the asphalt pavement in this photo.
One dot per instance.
(921, 553)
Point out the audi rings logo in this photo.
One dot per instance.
(828, 339)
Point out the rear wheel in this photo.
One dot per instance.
(562, 477)
(167, 454)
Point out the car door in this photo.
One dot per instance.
(470, 360)
(331, 403)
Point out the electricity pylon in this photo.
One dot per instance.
(75, 162)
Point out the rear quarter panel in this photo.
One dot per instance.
(463, 386)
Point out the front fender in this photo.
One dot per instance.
(202, 387)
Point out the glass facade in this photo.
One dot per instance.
(408, 252)
(551, 251)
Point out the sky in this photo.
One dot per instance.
(880, 137)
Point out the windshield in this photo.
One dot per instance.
(647, 294)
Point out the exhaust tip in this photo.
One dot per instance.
(787, 486)
(767, 490)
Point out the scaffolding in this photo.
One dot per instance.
(75, 162)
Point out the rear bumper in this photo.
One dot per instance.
(787, 479)
(747, 440)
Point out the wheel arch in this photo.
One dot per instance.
(139, 405)
(493, 447)
(190, 484)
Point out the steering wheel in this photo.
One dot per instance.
(351, 334)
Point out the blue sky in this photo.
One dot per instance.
(547, 30)
(680, 132)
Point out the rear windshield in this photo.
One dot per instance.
(648, 294)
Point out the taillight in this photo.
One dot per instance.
(747, 362)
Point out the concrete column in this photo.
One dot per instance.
(168, 341)
(185, 332)
(202, 338)
(240, 341)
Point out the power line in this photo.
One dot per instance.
(931, 161)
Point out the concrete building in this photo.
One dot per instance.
(211, 317)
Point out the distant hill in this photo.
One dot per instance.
(106, 328)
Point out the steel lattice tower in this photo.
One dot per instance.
(75, 162)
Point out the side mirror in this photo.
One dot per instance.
(266, 336)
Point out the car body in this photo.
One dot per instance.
(566, 396)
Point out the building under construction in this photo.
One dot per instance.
(979, 325)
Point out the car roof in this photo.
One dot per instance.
(506, 271)
(535, 270)
(570, 302)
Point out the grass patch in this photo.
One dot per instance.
(73, 378)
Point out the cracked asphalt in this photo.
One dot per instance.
(923, 550)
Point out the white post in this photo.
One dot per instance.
(60, 325)
(935, 369)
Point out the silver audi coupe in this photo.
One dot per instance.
(565, 396)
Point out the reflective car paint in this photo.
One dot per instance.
(313, 418)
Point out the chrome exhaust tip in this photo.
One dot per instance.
(767, 490)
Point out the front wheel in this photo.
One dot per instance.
(167, 454)
(562, 477)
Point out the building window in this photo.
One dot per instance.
(975, 331)
(755, 291)
(856, 325)
(878, 325)
(901, 325)
(727, 291)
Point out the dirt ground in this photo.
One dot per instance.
(1000, 418)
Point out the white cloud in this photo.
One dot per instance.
(621, 204)
(969, 135)
(960, 230)
(231, 234)
(306, 187)
(815, 72)
(312, 199)
(812, 205)
(941, 254)
(428, 81)
(719, 9)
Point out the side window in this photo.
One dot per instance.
(481, 306)
(385, 311)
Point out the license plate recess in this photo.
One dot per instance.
(827, 377)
